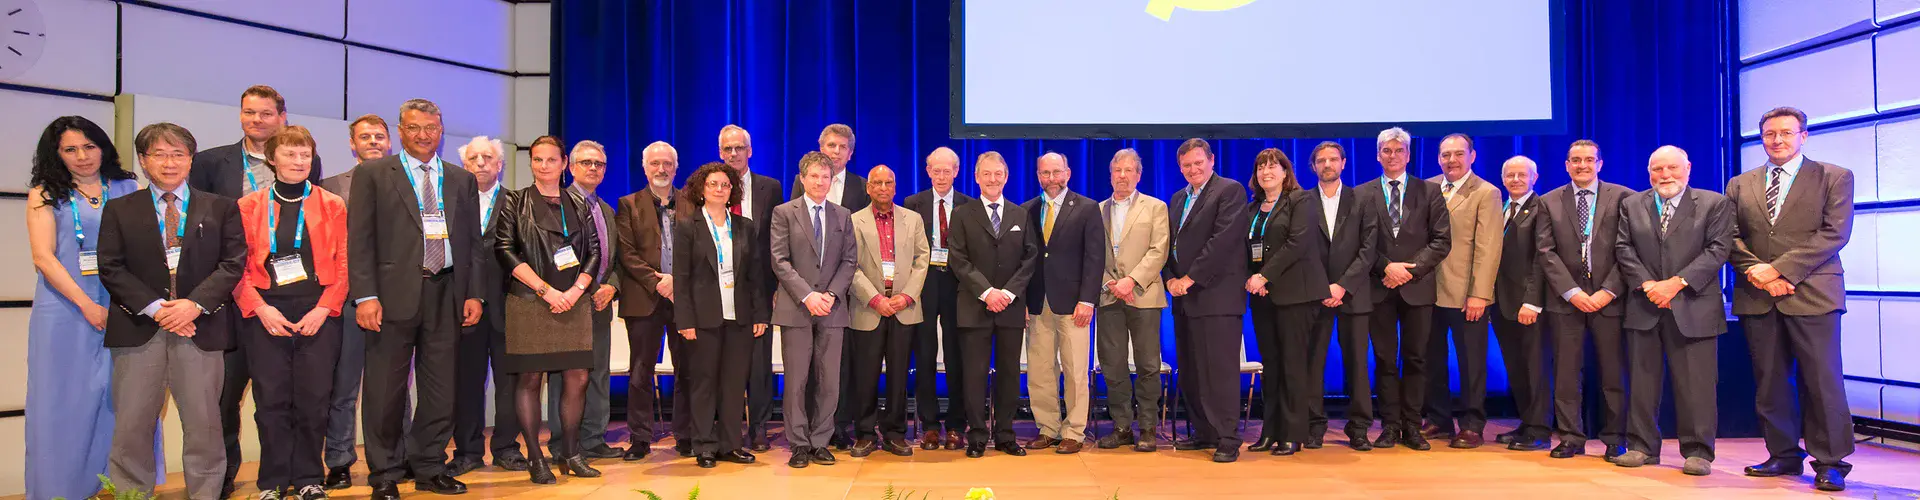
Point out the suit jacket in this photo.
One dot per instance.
(1698, 240)
(853, 195)
(339, 185)
(1080, 241)
(637, 224)
(492, 281)
(983, 260)
(220, 170)
(909, 266)
(1295, 269)
(1140, 252)
(133, 266)
(941, 288)
(800, 268)
(326, 233)
(1210, 247)
(1425, 237)
(1521, 281)
(765, 196)
(1349, 247)
(696, 273)
(1559, 241)
(1474, 259)
(386, 242)
(1816, 220)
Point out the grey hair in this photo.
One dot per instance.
(1127, 155)
(1522, 160)
(659, 146)
(421, 105)
(1394, 134)
(1671, 150)
(499, 149)
(733, 128)
(944, 152)
(586, 145)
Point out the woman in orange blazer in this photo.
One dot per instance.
(292, 290)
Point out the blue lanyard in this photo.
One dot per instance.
(1259, 227)
(1593, 208)
(1389, 190)
(440, 200)
(720, 232)
(564, 233)
(161, 208)
(299, 233)
(246, 165)
(1659, 206)
(486, 215)
(79, 233)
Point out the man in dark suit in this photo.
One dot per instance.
(938, 298)
(481, 343)
(1575, 233)
(1414, 237)
(1205, 275)
(1673, 241)
(814, 260)
(1795, 215)
(368, 135)
(409, 213)
(759, 194)
(1518, 299)
(588, 163)
(1344, 228)
(849, 190)
(993, 253)
(645, 227)
(169, 256)
(232, 171)
(1065, 295)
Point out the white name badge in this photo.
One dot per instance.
(1258, 251)
(886, 271)
(434, 225)
(726, 278)
(89, 263)
(939, 257)
(564, 259)
(288, 270)
(173, 259)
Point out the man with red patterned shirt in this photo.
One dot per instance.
(892, 267)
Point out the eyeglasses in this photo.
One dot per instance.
(591, 164)
(167, 157)
(719, 184)
(1771, 135)
(417, 129)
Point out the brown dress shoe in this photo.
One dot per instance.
(1430, 431)
(954, 441)
(1069, 447)
(1466, 440)
(930, 440)
(863, 448)
(1042, 442)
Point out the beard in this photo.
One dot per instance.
(660, 182)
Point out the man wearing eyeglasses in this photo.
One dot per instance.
(588, 164)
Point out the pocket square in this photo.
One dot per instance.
(1015, 228)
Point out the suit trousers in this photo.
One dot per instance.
(1267, 337)
(1294, 324)
(233, 388)
(1523, 351)
(597, 398)
(889, 343)
(1354, 344)
(812, 357)
(760, 389)
(293, 384)
(478, 345)
(1057, 349)
(1570, 333)
(428, 345)
(1001, 345)
(1400, 347)
(644, 335)
(1469, 341)
(1695, 363)
(343, 415)
(1210, 376)
(717, 386)
(1780, 343)
(1131, 333)
(936, 311)
(142, 378)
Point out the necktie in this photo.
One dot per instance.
(1393, 206)
(819, 236)
(1773, 193)
(1046, 228)
(173, 239)
(1512, 208)
(435, 256)
(1446, 190)
(993, 215)
(1192, 198)
(943, 223)
(1583, 206)
(1665, 215)
(606, 250)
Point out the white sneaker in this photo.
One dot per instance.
(273, 494)
(312, 492)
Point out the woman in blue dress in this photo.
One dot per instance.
(69, 410)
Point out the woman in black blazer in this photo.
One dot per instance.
(1268, 213)
(721, 308)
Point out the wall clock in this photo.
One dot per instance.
(23, 36)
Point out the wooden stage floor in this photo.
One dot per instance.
(1332, 472)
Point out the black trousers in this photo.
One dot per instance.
(936, 311)
(478, 344)
(427, 347)
(891, 342)
(1400, 360)
(1294, 324)
(1267, 337)
(1470, 356)
(717, 386)
(1001, 345)
(1354, 343)
(760, 388)
(1796, 362)
(1570, 334)
(644, 336)
(1209, 356)
(293, 390)
(233, 387)
(1523, 350)
(1695, 363)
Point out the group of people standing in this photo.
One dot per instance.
(239, 265)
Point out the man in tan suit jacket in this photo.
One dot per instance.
(1131, 299)
(1465, 289)
(892, 266)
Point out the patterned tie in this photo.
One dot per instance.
(1446, 190)
(1046, 228)
(173, 240)
(819, 235)
(1583, 207)
(993, 216)
(1393, 206)
(1666, 215)
(943, 223)
(1773, 193)
(435, 257)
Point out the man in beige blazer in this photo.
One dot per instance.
(892, 266)
(1131, 299)
(1465, 289)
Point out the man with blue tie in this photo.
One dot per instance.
(814, 260)
(1204, 274)
(1413, 237)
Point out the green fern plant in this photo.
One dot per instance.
(691, 495)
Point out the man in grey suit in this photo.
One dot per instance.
(814, 260)
(1673, 241)
(1794, 216)
(1575, 235)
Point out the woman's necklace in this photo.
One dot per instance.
(276, 194)
(93, 200)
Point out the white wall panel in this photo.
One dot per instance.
(532, 37)
(1898, 238)
(27, 114)
(1897, 78)
(1860, 338)
(1752, 154)
(476, 32)
(17, 276)
(1900, 404)
(78, 53)
(1861, 256)
(1886, 11)
(1897, 144)
(1833, 83)
(1864, 398)
(13, 349)
(530, 109)
(180, 56)
(1768, 25)
(472, 102)
(1900, 314)
(320, 17)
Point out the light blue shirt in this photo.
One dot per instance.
(1790, 170)
(160, 212)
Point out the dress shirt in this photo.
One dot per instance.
(1791, 170)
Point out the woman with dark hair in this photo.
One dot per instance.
(1267, 214)
(719, 311)
(546, 241)
(75, 171)
(294, 285)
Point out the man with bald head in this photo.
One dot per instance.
(1073, 255)
(1517, 300)
(936, 206)
(1673, 241)
(644, 222)
(890, 270)
(758, 195)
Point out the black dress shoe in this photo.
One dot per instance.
(1011, 448)
(738, 457)
(1415, 441)
(1359, 443)
(821, 456)
(1614, 452)
(513, 462)
(1147, 443)
(705, 461)
(685, 449)
(461, 466)
(760, 444)
(406, 474)
(799, 458)
(602, 451)
(442, 484)
(840, 441)
(1524, 444)
(1506, 437)
(339, 478)
(1226, 455)
(1567, 450)
(385, 490)
(1830, 479)
(1315, 441)
(540, 471)
(1775, 467)
(1285, 449)
(637, 452)
(1186, 444)
(577, 466)
(976, 450)
(1388, 437)
(1262, 444)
